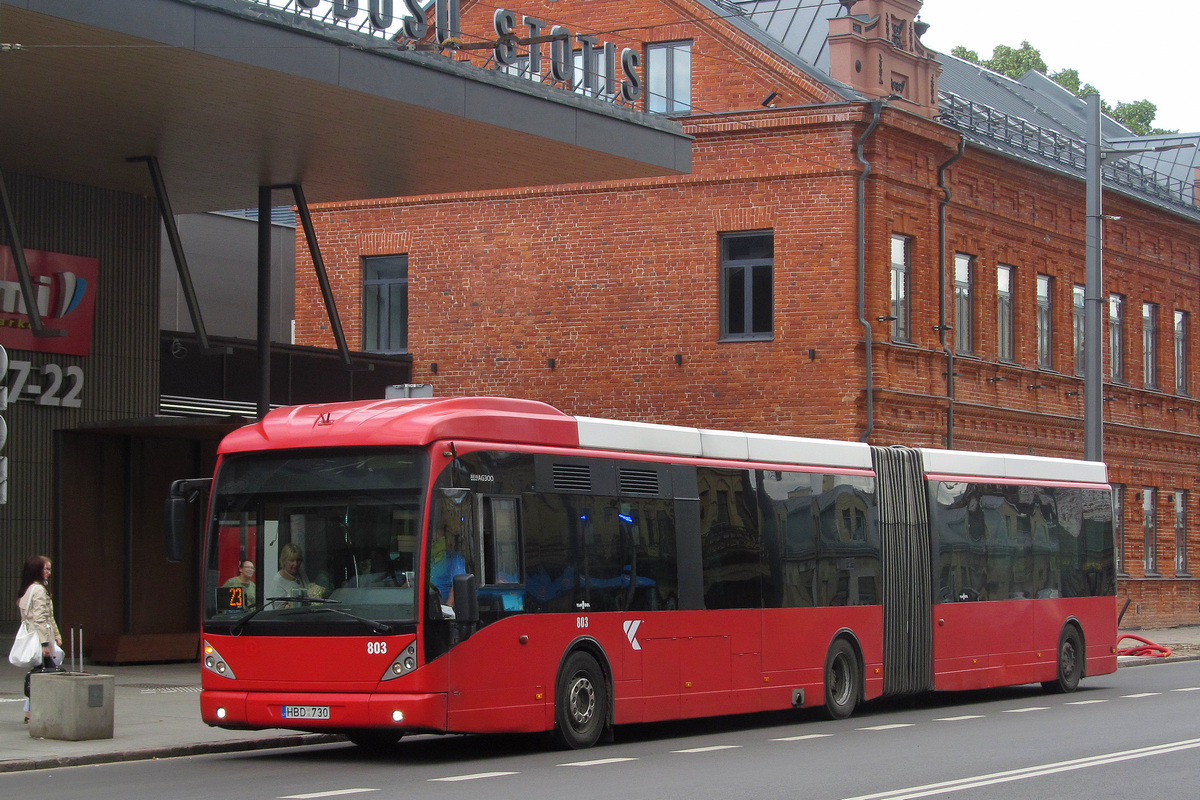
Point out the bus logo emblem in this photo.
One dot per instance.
(631, 629)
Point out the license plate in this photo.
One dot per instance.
(306, 712)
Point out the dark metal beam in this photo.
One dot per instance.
(310, 235)
(18, 256)
(185, 274)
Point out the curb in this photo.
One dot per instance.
(1140, 661)
(173, 751)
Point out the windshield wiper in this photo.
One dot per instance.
(269, 605)
(378, 627)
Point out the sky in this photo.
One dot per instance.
(1125, 54)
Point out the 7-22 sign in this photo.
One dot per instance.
(47, 385)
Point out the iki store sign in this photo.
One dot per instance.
(574, 60)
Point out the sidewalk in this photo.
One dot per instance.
(156, 710)
(157, 714)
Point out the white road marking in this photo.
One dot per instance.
(994, 778)
(331, 793)
(1023, 710)
(1084, 702)
(708, 749)
(893, 726)
(801, 738)
(959, 719)
(1188, 689)
(474, 777)
(1142, 694)
(597, 763)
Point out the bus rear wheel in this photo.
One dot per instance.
(1070, 662)
(580, 703)
(843, 685)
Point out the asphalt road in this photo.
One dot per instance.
(1119, 736)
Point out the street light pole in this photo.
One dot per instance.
(1093, 295)
(1093, 299)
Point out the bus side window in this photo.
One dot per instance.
(501, 540)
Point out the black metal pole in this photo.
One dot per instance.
(18, 257)
(310, 235)
(264, 300)
(181, 267)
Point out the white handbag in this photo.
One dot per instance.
(26, 651)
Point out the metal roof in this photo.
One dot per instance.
(1033, 119)
(1037, 121)
(233, 94)
(803, 24)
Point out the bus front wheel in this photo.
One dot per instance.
(1070, 662)
(374, 741)
(843, 685)
(580, 702)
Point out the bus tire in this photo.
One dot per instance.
(1071, 657)
(580, 702)
(374, 741)
(843, 682)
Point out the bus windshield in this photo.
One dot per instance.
(326, 541)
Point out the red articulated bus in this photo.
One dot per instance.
(484, 564)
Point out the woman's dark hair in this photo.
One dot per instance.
(32, 573)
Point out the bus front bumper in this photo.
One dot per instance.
(323, 711)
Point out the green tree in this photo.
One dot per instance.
(1016, 62)
(966, 55)
(1138, 116)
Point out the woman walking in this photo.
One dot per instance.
(37, 612)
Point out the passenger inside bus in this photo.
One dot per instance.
(290, 581)
(447, 562)
(245, 581)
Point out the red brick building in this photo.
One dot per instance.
(876, 243)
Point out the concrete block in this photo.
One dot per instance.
(71, 705)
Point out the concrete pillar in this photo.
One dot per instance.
(70, 705)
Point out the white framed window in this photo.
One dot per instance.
(1181, 352)
(1005, 333)
(964, 304)
(669, 77)
(1080, 326)
(1150, 528)
(1045, 322)
(1181, 548)
(1116, 337)
(1150, 345)
(901, 288)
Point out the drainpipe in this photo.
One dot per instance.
(942, 326)
(861, 223)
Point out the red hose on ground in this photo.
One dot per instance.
(1147, 648)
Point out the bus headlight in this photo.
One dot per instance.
(215, 664)
(404, 663)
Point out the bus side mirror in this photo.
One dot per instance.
(466, 599)
(176, 520)
(179, 497)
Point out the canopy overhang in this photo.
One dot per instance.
(230, 95)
